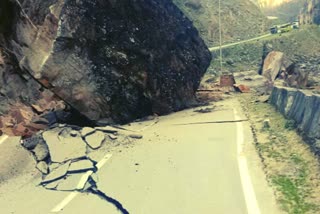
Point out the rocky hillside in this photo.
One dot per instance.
(109, 60)
(310, 13)
(300, 47)
(241, 19)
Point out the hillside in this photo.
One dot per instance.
(303, 52)
(310, 13)
(241, 19)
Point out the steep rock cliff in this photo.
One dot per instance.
(304, 108)
(310, 13)
(113, 60)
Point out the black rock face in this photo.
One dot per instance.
(118, 60)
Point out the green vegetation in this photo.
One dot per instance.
(298, 45)
(241, 19)
(290, 125)
(292, 169)
(293, 201)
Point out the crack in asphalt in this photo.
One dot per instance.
(199, 123)
(102, 195)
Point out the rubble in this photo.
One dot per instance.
(57, 173)
(69, 183)
(227, 80)
(136, 136)
(43, 167)
(68, 156)
(64, 148)
(81, 165)
(95, 139)
(266, 123)
(41, 151)
(242, 88)
(272, 65)
(113, 137)
(263, 98)
(31, 142)
(204, 110)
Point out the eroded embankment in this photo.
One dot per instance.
(304, 108)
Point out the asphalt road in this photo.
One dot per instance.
(240, 42)
(177, 168)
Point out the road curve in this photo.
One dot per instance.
(240, 42)
(176, 168)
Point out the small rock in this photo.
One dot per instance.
(204, 110)
(273, 137)
(113, 137)
(74, 133)
(136, 136)
(41, 151)
(266, 123)
(95, 140)
(263, 99)
(32, 142)
(43, 167)
(242, 88)
(87, 131)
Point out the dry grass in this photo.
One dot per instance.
(292, 169)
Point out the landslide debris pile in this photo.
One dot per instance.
(67, 156)
(241, 19)
(111, 61)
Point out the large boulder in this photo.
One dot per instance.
(22, 99)
(115, 60)
(277, 65)
(272, 65)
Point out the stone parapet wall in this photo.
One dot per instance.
(303, 107)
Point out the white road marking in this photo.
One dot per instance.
(65, 202)
(80, 185)
(248, 190)
(3, 138)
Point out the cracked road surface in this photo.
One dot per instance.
(174, 169)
